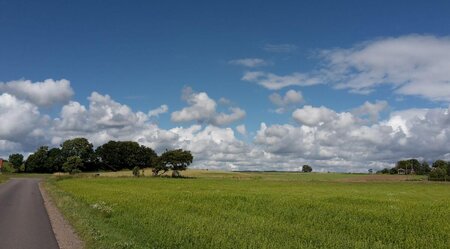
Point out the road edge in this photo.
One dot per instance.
(64, 233)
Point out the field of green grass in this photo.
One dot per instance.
(256, 210)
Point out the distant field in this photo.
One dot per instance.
(257, 210)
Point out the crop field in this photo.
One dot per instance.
(256, 210)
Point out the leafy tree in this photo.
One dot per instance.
(443, 165)
(175, 160)
(79, 147)
(73, 164)
(16, 160)
(145, 157)
(306, 168)
(424, 168)
(7, 167)
(384, 171)
(108, 155)
(440, 164)
(55, 159)
(393, 171)
(117, 155)
(438, 173)
(37, 162)
(408, 165)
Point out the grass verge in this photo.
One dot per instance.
(3, 178)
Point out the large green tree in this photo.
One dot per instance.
(55, 159)
(443, 165)
(79, 147)
(16, 160)
(424, 168)
(117, 155)
(37, 162)
(409, 165)
(72, 164)
(175, 160)
(438, 174)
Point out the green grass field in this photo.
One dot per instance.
(256, 210)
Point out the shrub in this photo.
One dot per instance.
(136, 172)
(8, 168)
(438, 174)
(75, 171)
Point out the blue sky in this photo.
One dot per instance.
(144, 53)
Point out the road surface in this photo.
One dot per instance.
(24, 223)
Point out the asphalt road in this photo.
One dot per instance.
(24, 222)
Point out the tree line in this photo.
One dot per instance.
(78, 155)
(439, 170)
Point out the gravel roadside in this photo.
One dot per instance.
(64, 233)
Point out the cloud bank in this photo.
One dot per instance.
(322, 137)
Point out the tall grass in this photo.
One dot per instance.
(262, 211)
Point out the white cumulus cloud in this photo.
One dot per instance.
(203, 109)
(158, 111)
(17, 117)
(241, 129)
(371, 110)
(313, 116)
(46, 93)
(291, 98)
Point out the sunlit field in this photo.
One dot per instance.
(256, 210)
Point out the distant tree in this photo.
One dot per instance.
(117, 155)
(384, 171)
(16, 160)
(411, 165)
(393, 171)
(73, 164)
(55, 159)
(443, 165)
(440, 164)
(110, 155)
(79, 147)
(438, 173)
(370, 171)
(175, 160)
(414, 165)
(146, 157)
(424, 168)
(306, 168)
(37, 162)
